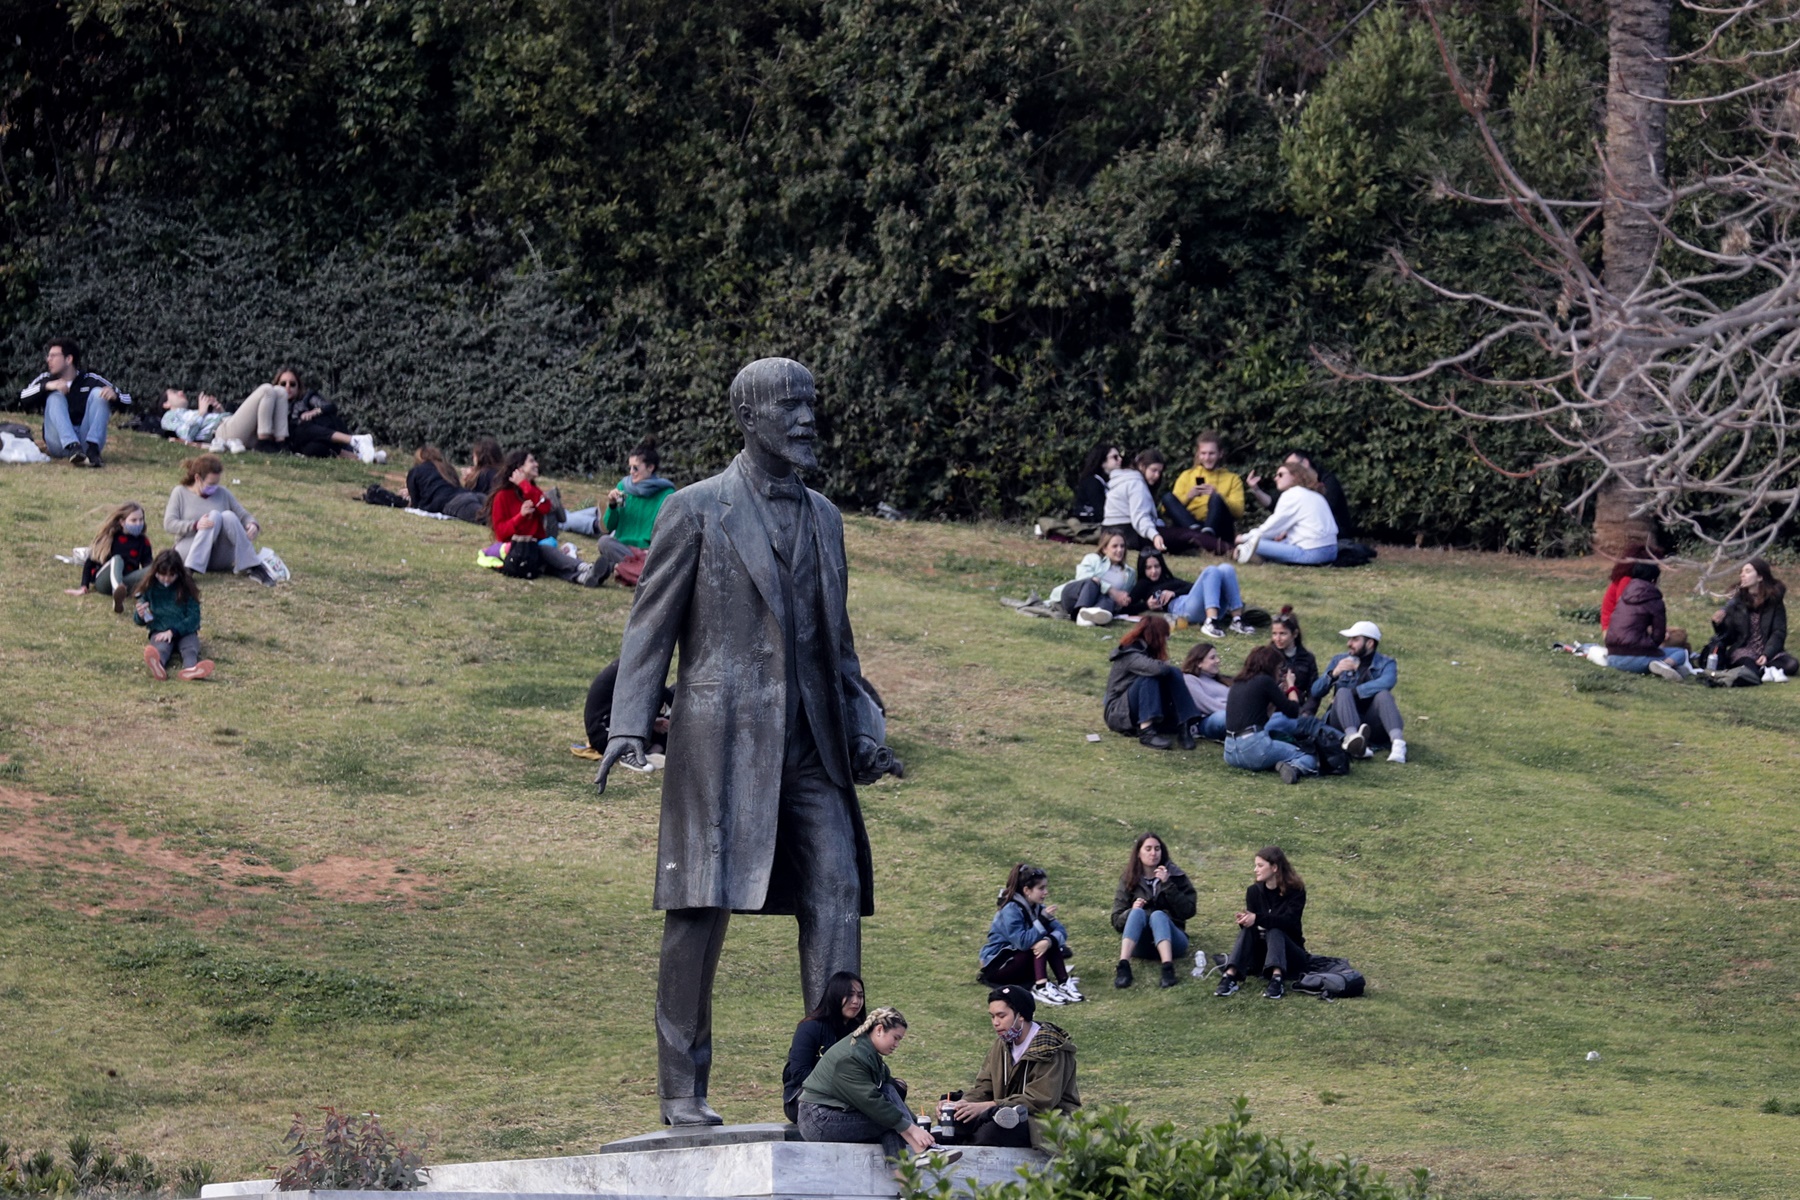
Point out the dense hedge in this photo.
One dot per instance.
(998, 231)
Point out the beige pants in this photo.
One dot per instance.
(263, 414)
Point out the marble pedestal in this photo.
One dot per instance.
(732, 1162)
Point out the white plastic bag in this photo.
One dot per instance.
(14, 449)
(271, 561)
(1597, 655)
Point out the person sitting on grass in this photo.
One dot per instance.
(516, 509)
(1201, 671)
(168, 604)
(1364, 704)
(1102, 584)
(1750, 629)
(484, 468)
(76, 405)
(1151, 908)
(1263, 690)
(1026, 944)
(633, 504)
(596, 719)
(261, 421)
(1285, 636)
(1131, 507)
(1215, 594)
(1301, 531)
(1083, 522)
(850, 1096)
(1146, 695)
(838, 1012)
(118, 558)
(1636, 637)
(1270, 939)
(318, 429)
(1029, 1072)
(1157, 588)
(213, 531)
(1207, 497)
(432, 486)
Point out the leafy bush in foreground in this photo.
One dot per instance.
(1102, 1154)
(352, 1152)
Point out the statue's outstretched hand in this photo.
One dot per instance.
(628, 750)
(873, 760)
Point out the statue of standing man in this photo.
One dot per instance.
(772, 725)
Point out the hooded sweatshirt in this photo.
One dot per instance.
(1129, 664)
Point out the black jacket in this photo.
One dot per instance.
(1090, 500)
(134, 550)
(428, 489)
(1276, 911)
(1247, 705)
(811, 1040)
(1733, 633)
(1175, 897)
(1143, 589)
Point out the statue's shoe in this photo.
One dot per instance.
(689, 1110)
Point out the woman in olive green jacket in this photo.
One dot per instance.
(850, 1096)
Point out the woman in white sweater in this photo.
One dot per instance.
(1301, 530)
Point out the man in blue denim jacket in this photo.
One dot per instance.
(1364, 679)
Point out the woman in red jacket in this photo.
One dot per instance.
(515, 511)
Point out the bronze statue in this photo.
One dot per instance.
(772, 726)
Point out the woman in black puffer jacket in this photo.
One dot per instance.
(1634, 638)
(1751, 629)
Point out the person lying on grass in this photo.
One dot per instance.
(1151, 908)
(1270, 940)
(118, 558)
(168, 604)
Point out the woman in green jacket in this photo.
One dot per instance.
(850, 1096)
(632, 506)
(168, 602)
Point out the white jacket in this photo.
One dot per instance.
(1304, 516)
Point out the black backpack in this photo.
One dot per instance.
(1338, 982)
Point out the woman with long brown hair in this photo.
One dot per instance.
(1301, 530)
(432, 486)
(1751, 629)
(1026, 944)
(1151, 908)
(1270, 939)
(1145, 693)
(1263, 689)
(118, 557)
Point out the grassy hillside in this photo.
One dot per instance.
(359, 867)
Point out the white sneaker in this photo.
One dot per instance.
(381, 456)
(1094, 616)
(1238, 626)
(1398, 753)
(1356, 742)
(1247, 548)
(1048, 993)
(1663, 670)
(233, 445)
(1070, 992)
(1211, 629)
(364, 445)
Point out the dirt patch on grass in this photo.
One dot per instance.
(121, 871)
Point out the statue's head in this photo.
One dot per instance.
(772, 399)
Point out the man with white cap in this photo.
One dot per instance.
(1364, 704)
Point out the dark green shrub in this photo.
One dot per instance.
(1102, 1154)
(350, 1152)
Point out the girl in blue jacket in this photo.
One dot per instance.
(168, 603)
(1026, 944)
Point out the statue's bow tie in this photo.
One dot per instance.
(788, 488)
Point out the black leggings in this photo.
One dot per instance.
(983, 1131)
(1264, 953)
(1023, 968)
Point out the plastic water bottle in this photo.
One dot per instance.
(1712, 661)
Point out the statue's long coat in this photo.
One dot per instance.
(712, 584)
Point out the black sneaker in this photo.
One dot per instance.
(1154, 740)
(1228, 986)
(1168, 975)
(75, 455)
(1122, 977)
(1275, 990)
(1288, 771)
(93, 455)
(1188, 738)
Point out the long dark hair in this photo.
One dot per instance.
(1095, 462)
(431, 454)
(169, 563)
(1197, 655)
(1264, 660)
(1766, 589)
(484, 454)
(1022, 876)
(830, 1009)
(1151, 635)
(1134, 870)
(503, 479)
(1286, 878)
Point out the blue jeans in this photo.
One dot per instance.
(60, 432)
(1217, 588)
(1281, 552)
(1260, 752)
(1639, 664)
(1162, 929)
(1163, 700)
(1212, 726)
(585, 521)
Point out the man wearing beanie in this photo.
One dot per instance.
(1029, 1071)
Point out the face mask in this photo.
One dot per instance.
(209, 489)
(1011, 1036)
(134, 529)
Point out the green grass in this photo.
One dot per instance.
(360, 868)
